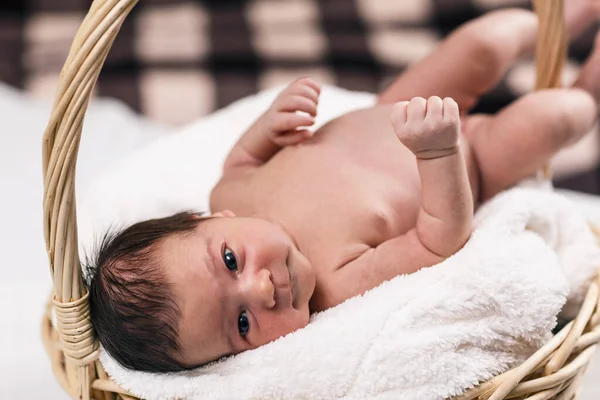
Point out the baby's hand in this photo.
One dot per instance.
(429, 128)
(283, 121)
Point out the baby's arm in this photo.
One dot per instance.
(277, 127)
(430, 129)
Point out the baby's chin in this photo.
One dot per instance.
(306, 315)
(296, 321)
(303, 280)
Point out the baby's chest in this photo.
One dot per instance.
(336, 205)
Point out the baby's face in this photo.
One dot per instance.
(240, 283)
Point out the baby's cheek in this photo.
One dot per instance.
(275, 326)
(296, 320)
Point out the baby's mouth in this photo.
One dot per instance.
(290, 280)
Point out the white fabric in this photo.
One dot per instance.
(427, 335)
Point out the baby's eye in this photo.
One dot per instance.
(229, 260)
(243, 324)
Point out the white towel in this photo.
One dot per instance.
(429, 335)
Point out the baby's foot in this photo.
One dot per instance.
(429, 128)
(589, 74)
(580, 14)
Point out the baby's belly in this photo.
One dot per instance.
(353, 184)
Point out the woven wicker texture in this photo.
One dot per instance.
(554, 372)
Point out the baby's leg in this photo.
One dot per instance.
(521, 139)
(589, 75)
(470, 61)
(474, 58)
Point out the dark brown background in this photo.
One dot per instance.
(176, 60)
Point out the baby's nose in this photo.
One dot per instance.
(262, 289)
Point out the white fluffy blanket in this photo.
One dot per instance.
(429, 335)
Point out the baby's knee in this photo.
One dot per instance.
(575, 112)
(499, 37)
(506, 18)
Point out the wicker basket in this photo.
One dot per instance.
(554, 372)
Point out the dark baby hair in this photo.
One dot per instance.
(132, 309)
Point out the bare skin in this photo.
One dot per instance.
(307, 221)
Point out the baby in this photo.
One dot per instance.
(305, 221)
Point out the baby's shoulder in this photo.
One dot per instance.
(233, 192)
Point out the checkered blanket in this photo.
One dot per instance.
(176, 60)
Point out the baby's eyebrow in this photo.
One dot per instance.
(213, 263)
(211, 258)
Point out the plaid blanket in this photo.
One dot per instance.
(176, 60)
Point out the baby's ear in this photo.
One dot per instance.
(224, 213)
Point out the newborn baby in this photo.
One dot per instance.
(305, 221)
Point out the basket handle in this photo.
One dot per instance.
(60, 146)
(551, 50)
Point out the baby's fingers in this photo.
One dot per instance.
(305, 87)
(290, 121)
(310, 83)
(293, 137)
(298, 103)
